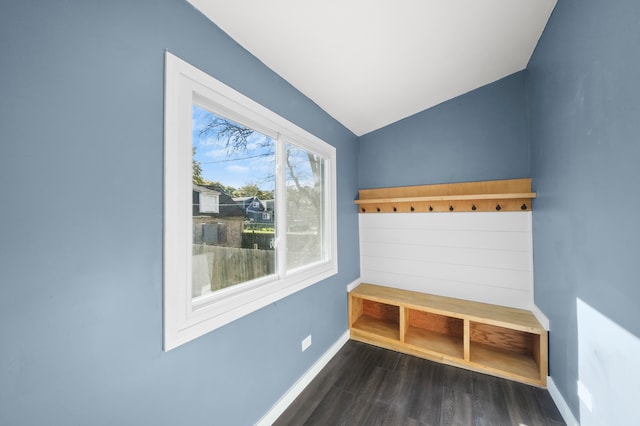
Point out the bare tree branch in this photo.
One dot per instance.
(236, 136)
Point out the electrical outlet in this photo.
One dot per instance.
(306, 342)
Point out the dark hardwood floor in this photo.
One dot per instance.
(367, 385)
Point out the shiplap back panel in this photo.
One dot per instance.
(481, 256)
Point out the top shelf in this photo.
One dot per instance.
(502, 316)
(496, 195)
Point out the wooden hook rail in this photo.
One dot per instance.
(496, 195)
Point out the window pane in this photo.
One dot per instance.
(233, 203)
(305, 207)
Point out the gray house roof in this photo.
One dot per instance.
(227, 207)
(205, 190)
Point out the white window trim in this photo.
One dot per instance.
(184, 319)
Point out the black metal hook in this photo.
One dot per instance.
(523, 207)
(412, 209)
(395, 209)
(364, 210)
(473, 207)
(450, 208)
(498, 208)
(378, 208)
(430, 208)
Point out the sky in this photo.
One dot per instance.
(253, 166)
(236, 169)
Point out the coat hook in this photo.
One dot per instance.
(473, 207)
(498, 208)
(364, 210)
(450, 208)
(523, 207)
(412, 209)
(430, 208)
(395, 209)
(378, 208)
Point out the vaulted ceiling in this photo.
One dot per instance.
(369, 63)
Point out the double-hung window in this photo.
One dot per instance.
(249, 205)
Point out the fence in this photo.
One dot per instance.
(261, 240)
(227, 266)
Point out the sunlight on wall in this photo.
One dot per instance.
(608, 369)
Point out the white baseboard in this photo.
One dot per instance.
(562, 405)
(537, 312)
(354, 284)
(285, 400)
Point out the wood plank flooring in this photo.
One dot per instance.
(367, 385)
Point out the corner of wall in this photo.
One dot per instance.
(281, 405)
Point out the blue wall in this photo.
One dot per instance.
(81, 111)
(571, 122)
(481, 135)
(81, 104)
(584, 97)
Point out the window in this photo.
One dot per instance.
(209, 203)
(236, 253)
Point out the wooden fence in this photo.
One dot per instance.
(228, 266)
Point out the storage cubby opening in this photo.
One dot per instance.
(381, 311)
(504, 349)
(504, 338)
(436, 333)
(441, 324)
(380, 319)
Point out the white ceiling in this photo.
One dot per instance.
(369, 63)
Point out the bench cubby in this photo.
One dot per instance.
(497, 340)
